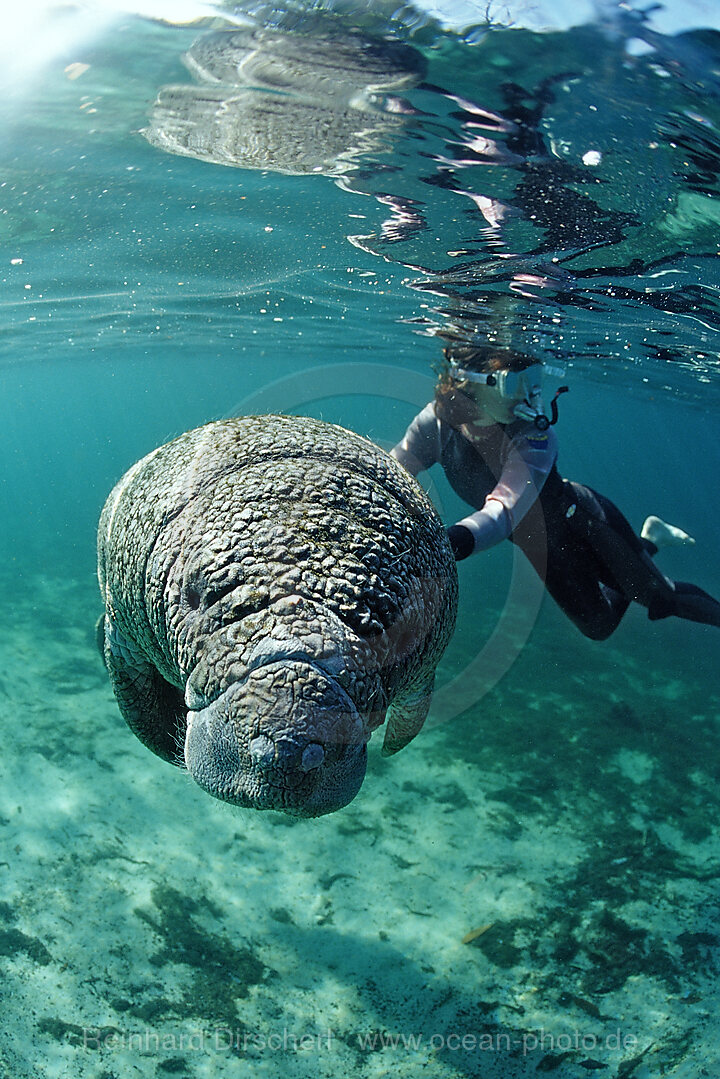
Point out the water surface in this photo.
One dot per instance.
(183, 240)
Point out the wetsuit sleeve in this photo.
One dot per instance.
(419, 448)
(529, 461)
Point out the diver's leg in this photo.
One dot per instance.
(554, 539)
(625, 557)
(686, 601)
(573, 581)
(628, 558)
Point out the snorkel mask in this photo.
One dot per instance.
(524, 387)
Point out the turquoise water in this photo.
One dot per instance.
(556, 189)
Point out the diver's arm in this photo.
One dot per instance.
(419, 447)
(528, 463)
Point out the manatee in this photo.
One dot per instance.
(246, 129)
(275, 588)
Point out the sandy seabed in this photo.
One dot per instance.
(530, 888)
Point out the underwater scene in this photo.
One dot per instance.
(233, 209)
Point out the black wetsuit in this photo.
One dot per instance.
(591, 560)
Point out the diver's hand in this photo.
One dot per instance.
(462, 541)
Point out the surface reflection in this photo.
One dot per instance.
(290, 103)
(545, 189)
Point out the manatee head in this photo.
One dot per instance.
(286, 737)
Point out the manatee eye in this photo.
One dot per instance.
(214, 596)
(193, 598)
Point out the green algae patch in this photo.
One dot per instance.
(221, 973)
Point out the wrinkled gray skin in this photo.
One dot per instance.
(274, 588)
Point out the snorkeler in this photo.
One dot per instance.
(487, 428)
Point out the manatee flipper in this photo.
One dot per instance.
(153, 709)
(406, 715)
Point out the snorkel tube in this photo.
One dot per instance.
(542, 422)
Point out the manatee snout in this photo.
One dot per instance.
(287, 737)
